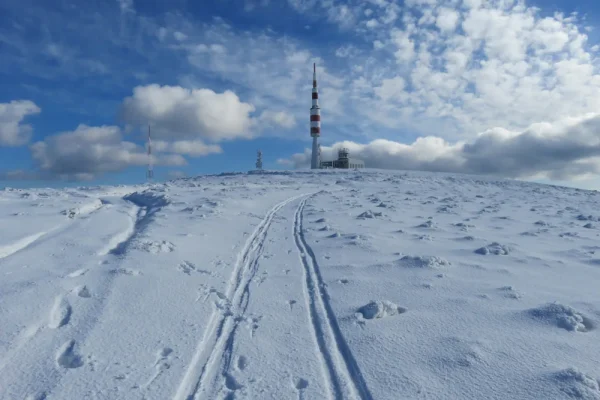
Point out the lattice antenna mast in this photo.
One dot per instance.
(150, 172)
(259, 163)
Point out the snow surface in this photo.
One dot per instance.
(334, 284)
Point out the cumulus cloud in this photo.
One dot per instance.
(566, 149)
(12, 131)
(90, 151)
(179, 113)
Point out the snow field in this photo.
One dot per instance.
(341, 285)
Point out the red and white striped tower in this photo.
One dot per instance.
(315, 122)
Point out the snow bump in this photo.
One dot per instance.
(578, 384)
(494, 248)
(563, 316)
(380, 309)
(423, 262)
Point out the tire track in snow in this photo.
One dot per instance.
(214, 351)
(341, 372)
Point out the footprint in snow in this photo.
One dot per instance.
(186, 267)
(291, 304)
(60, 313)
(300, 385)
(82, 291)
(241, 363)
(162, 363)
(67, 357)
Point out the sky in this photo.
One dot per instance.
(497, 87)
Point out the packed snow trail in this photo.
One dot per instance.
(199, 380)
(340, 369)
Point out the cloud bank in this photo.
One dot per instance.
(567, 149)
(88, 151)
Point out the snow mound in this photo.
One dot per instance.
(510, 292)
(494, 248)
(379, 309)
(148, 198)
(369, 214)
(563, 316)
(464, 227)
(582, 217)
(423, 262)
(427, 224)
(83, 209)
(589, 226)
(156, 247)
(578, 384)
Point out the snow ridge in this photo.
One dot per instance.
(213, 354)
(146, 204)
(344, 377)
(6, 251)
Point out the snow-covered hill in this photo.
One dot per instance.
(341, 285)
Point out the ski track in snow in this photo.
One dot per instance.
(340, 370)
(214, 352)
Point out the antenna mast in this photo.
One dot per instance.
(259, 163)
(150, 172)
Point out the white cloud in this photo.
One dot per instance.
(179, 36)
(12, 131)
(193, 148)
(391, 89)
(566, 149)
(177, 113)
(89, 151)
(372, 23)
(405, 46)
(277, 119)
(126, 6)
(447, 19)
(346, 51)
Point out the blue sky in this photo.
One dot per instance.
(497, 87)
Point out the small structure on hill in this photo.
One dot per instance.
(343, 161)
